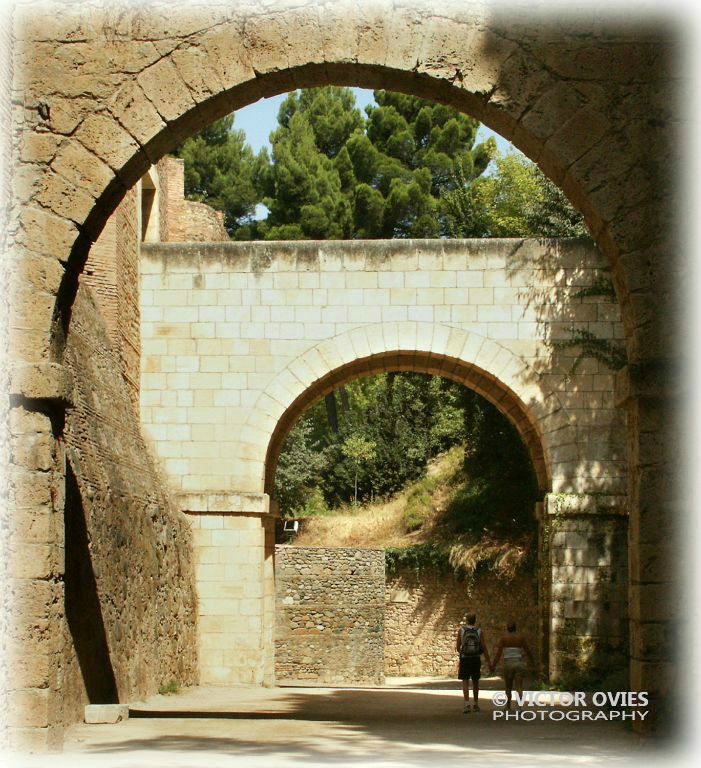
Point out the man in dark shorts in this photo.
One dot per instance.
(470, 646)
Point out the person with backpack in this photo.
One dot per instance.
(470, 645)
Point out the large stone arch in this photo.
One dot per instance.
(99, 95)
(152, 92)
(479, 363)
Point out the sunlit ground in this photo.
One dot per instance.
(411, 723)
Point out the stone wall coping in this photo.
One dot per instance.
(224, 502)
(260, 255)
(42, 381)
(585, 504)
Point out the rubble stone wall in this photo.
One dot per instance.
(329, 612)
(341, 620)
(130, 603)
(425, 609)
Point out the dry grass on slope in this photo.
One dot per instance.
(383, 524)
(414, 526)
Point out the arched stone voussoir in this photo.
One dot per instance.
(102, 135)
(82, 167)
(462, 51)
(285, 39)
(133, 110)
(330, 364)
(336, 353)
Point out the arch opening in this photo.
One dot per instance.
(480, 381)
(422, 85)
(457, 534)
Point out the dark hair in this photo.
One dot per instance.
(471, 618)
(511, 626)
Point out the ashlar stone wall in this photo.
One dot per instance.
(233, 333)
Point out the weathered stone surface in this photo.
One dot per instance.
(136, 113)
(42, 381)
(107, 140)
(82, 167)
(165, 88)
(46, 233)
(330, 609)
(106, 713)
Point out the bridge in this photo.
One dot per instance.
(238, 339)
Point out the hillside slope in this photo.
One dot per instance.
(437, 519)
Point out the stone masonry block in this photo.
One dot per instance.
(166, 90)
(106, 713)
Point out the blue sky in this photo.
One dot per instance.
(259, 119)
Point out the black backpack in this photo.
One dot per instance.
(470, 644)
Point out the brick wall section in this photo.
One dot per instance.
(128, 318)
(140, 549)
(187, 220)
(424, 611)
(112, 271)
(164, 176)
(329, 615)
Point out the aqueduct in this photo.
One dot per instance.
(99, 95)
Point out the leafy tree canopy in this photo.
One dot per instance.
(518, 200)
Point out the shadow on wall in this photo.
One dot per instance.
(567, 286)
(83, 613)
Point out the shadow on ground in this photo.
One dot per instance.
(408, 727)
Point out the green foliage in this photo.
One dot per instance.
(431, 555)
(359, 450)
(313, 505)
(405, 418)
(305, 199)
(611, 353)
(418, 503)
(602, 286)
(500, 482)
(408, 168)
(518, 200)
(297, 471)
(172, 686)
(222, 171)
(389, 427)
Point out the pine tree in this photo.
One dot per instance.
(306, 200)
(222, 171)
